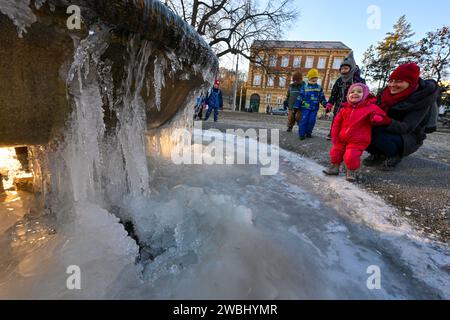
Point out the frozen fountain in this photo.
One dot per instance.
(38, 51)
(97, 107)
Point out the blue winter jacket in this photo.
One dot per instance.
(214, 99)
(310, 96)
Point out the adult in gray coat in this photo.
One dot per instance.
(350, 74)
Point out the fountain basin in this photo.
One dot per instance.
(34, 98)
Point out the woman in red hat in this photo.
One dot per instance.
(407, 101)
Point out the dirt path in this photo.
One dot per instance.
(419, 187)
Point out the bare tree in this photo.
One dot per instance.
(435, 54)
(231, 26)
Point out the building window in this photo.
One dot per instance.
(332, 82)
(337, 63)
(309, 62)
(270, 81)
(273, 61)
(257, 80)
(297, 62)
(321, 64)
(319, 82)
(285, 61)
(280, 101)
(268, 98)
(259, 59)
(282, 82)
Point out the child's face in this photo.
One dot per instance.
(345, 69)
(313, 80)
(356, 95)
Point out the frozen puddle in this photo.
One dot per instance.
(226, 232)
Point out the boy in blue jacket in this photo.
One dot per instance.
(214, 101)
(309, 100)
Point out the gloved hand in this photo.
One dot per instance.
(328, 107)
(377, 120)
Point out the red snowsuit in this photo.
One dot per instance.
(351, 132)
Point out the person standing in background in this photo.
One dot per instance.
(214, 101)
(294, 115)
(350, 74)
(309, 99)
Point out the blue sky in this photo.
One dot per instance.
(346, 21)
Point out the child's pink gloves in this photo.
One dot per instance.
(378, 120)
(328, 107)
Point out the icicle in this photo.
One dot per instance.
(158, 81)
(20, 13)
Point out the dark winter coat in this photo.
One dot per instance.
(292, 93)
(340, 90)
(410, 117)
(215, 99)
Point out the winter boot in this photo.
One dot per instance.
(309, 136)
(289, 129)
(302, 138)
(351, 175)
(374, 160)
(332, 170)
(390, 163)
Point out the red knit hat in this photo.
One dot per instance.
(409, 72)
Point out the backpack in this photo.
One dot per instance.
(433, 114)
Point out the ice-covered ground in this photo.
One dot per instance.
(226, 232)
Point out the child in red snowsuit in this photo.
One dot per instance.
(352, 130)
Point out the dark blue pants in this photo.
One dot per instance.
(216, 113)
(385, 143)
(307, 122)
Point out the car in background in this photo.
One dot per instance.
(279, 112)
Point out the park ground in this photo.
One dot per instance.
(419, 187)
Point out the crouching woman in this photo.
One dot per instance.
(407, 101)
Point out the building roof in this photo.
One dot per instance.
(300, 44)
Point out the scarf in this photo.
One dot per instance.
(349, 76)
(388, 99)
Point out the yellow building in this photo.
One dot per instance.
(267, 88)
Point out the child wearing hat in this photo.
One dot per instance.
(309, 99)
(352, 130)
(214, 101)
(291, 97)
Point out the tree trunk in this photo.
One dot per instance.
(194, 13)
